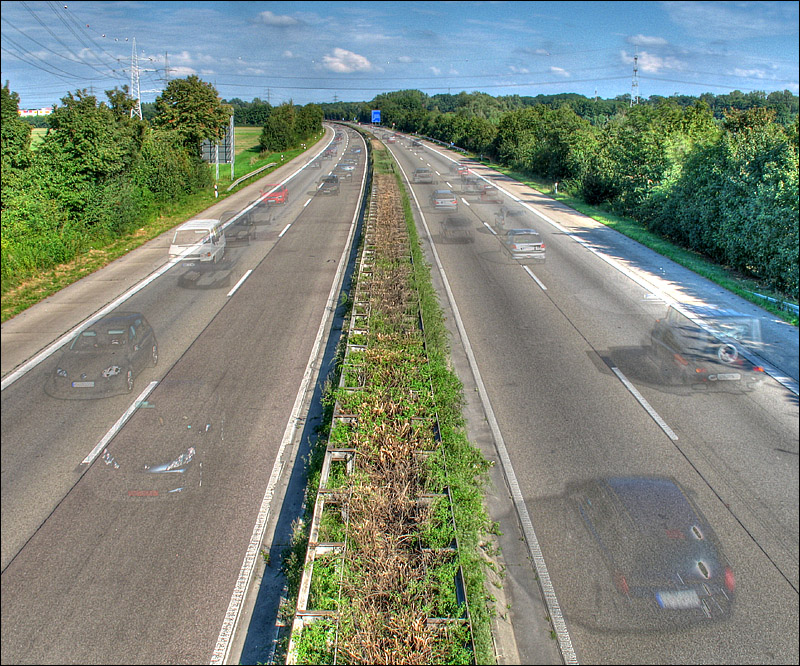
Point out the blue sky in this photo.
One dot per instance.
(351, 51)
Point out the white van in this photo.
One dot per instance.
(198, 241)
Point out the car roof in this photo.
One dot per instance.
(199, 224)
(443, 192)
(522, 231)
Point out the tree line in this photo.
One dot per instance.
(719, 181)
(101, 172)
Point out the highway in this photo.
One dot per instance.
(127, 533)
(562, 393)
(565, 395)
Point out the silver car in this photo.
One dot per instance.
(524, 244)
(444, 200)
(422, 175)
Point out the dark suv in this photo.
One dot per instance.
(708, 354)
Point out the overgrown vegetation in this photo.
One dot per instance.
(717, 175)
(101, 182)
(415, 489)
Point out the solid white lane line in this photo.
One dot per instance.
(118, 425)
(246, 572)
(238, 284)
(538, 281)
(661, 423)
(548, 592)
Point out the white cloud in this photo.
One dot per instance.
(288, 54)
(644, 40)
(345, 62)
(436, 71)
(734, 20)
(181, 72)
(404, 59)
(652, 64)
(750, 73)
(519, 70)
(268, 18)
(560, 72)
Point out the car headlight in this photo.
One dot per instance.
(61, 372)
(111, 371)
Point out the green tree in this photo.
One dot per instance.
(192, 108)
(279, 130)
(15, 142)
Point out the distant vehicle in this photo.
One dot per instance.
(457, 229)
(524, 244)
(422, 175)
(490, 194)
(710, 357)
(391, 139)
(444, 200)
(663, 559)
(355, 150)
(329, 153)
(471, 185)
(415, 143)
(241, 231)
(105, 358)
(510, 217)
(344, 171)
(198, 242)
(315, 164)
(329, 185)
(276, 194)
(461, 169)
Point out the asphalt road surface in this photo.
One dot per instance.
(568, 395)
(125, 532)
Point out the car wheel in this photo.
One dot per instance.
(155, 355)
(129, 380)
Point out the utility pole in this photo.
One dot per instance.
(136, 94)
(635, 81)
(166, 67)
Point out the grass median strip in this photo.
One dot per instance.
(392, 550)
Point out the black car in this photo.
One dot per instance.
(105, 358)
(663, 560)
(707, 355)
(329, 185)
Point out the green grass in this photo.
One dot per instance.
(18, 296)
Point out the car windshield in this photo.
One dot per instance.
(190, 237)
(525, 238)
(99, 339)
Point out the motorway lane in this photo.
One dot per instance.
(68, 429)
(113, 578)
(546, 359)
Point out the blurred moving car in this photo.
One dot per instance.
(168, 464)
(329, 185)
(241, 231)
(105, 358)
(344, 171)
(456, 229)
(524, 244)
(444, 200)
(198, 242)
(422, 175)
(709, 356)
(471, 185)
(276, 194)
(490, 194)
(663, 559)
(460, 168)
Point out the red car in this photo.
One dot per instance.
(276, 194)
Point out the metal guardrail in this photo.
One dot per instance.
(248, 175)
(784, 305)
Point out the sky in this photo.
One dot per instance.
(320, 52)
